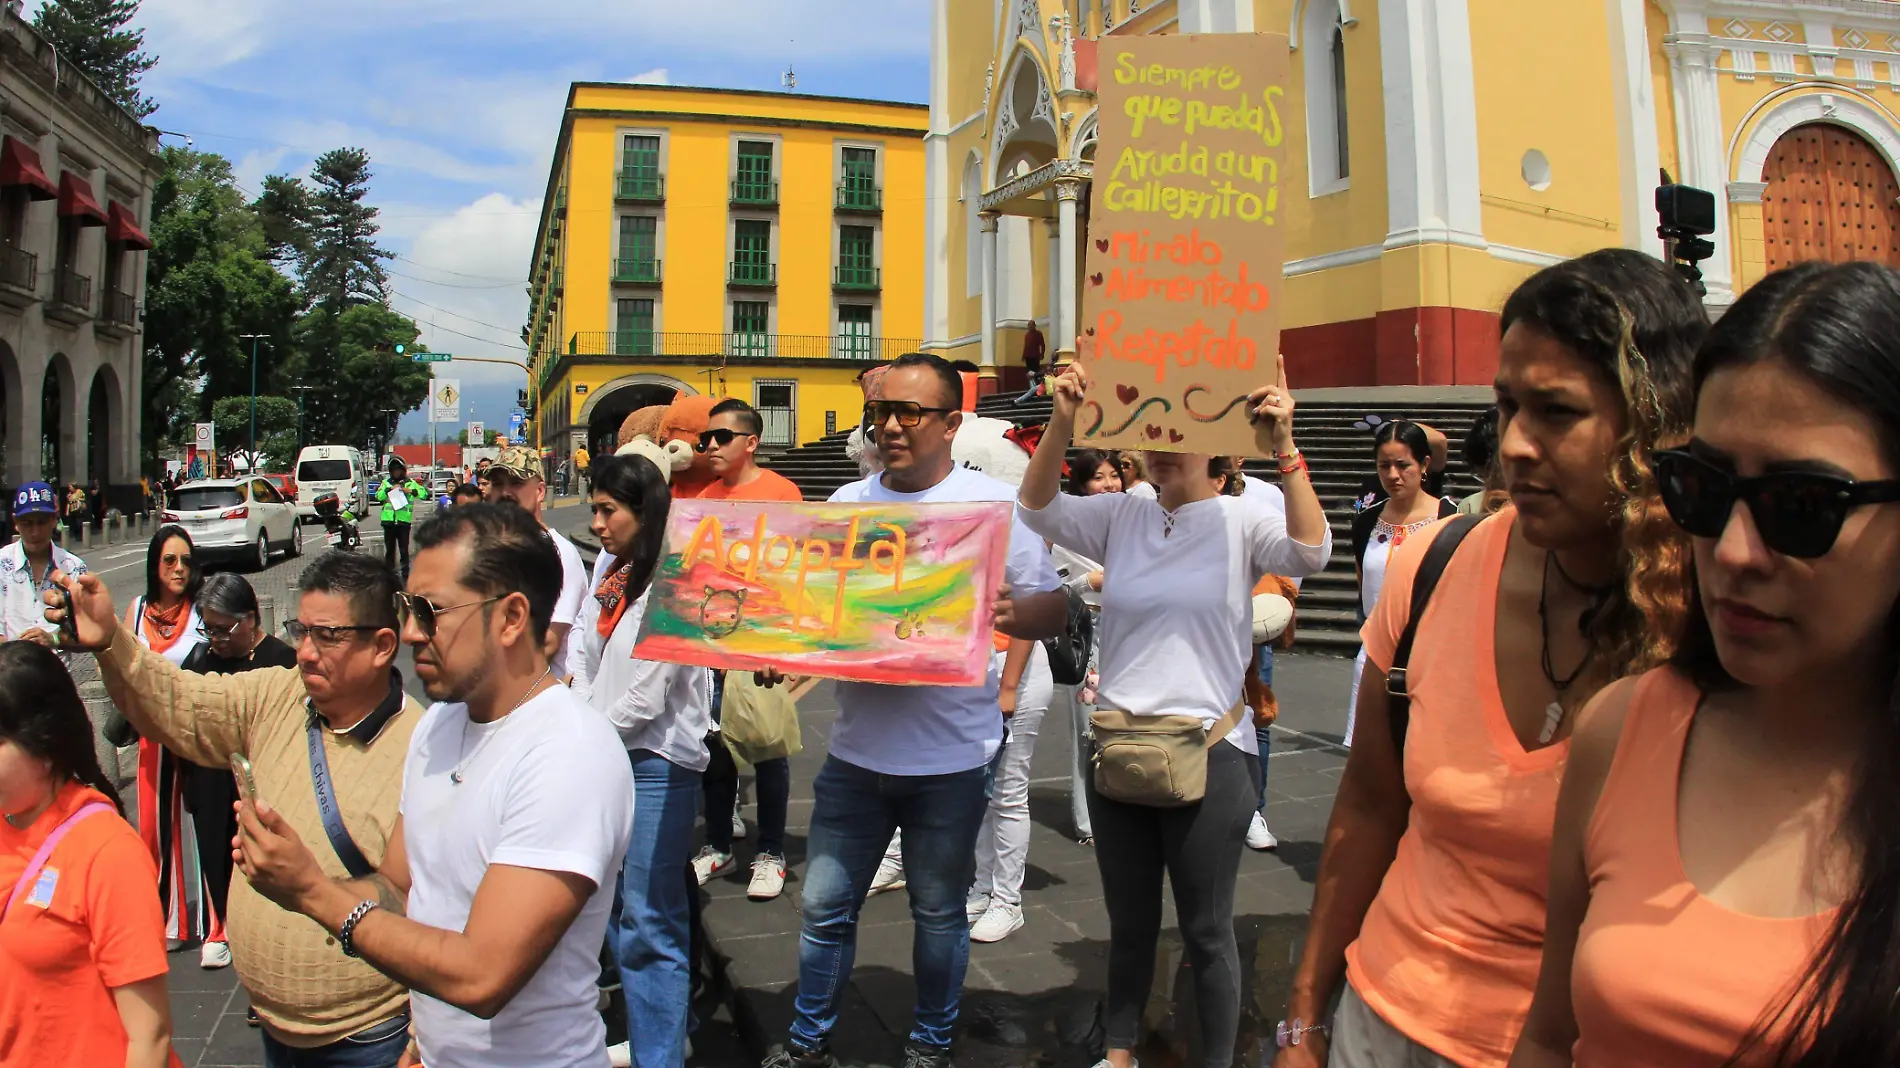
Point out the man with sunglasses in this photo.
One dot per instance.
(914, 758)
(730, 444)
(516, 476)
(326, 742)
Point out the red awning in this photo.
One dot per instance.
(124, 228)
(75, 201)
(20, 166)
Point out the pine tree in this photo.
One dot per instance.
(94, 35)
(284, 209)
(343, 264)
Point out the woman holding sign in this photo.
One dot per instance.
(1429, 907)
(663, 713)
(1176, 642)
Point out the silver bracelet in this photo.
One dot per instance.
(346, 934)
(1293, 1032)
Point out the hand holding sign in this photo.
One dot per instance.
(1068, 392)
(1273, 413)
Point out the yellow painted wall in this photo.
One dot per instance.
(819, 390)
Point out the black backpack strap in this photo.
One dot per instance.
(1430, 570)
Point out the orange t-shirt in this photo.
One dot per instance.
(104, 929)
(1663, 975)
(769, 486)
(1450, 948)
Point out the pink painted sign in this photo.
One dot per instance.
(887, 593)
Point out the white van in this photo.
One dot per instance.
(337, 469)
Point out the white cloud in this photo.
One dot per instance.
(465, 274)
(656, 76)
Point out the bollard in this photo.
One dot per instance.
(267, 613)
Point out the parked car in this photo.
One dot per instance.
(243, 519)
(443, 482)
(286, 485)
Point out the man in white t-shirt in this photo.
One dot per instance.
(911, 757)
(516, 476)
(517, 802)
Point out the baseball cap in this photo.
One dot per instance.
(34, 497)
(519, 461)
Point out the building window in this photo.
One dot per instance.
(854, 332)
(752, 251)
(1323, 45)
(753, 183)
(640, 167)
(858, 188)
(856, 269)
(633, 328)
(639, 249)
(750, 321)
(1342, 141)
(776, 402)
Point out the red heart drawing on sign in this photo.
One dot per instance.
(1154, 433)
(1174, 436)
(1095, 279)
(1090, 331)
(1127, 394)
(1101, 245)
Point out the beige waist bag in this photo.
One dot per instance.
(1159, 761)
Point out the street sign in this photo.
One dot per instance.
(476, 432)
(433, 357)
(445, 398)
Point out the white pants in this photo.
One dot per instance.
(1352, 706)
(1002, 845)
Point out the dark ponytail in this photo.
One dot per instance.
(40, 711)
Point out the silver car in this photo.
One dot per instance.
(241, 519)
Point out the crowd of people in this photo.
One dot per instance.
(1580, 822)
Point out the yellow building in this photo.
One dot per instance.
(1439, 151)
(767, 246)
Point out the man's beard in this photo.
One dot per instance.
(458, 689)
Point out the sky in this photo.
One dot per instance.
(459, 104)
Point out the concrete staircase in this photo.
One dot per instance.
(1339, 453)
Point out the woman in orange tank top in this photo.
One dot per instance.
(1428, 913)
(1724, 883)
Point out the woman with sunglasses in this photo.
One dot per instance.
(165, 620)
(1428, 912)
(662, 712)
(1177, 640)
(1722, 883)
(1091, 471)
(234, 643)
(1134, 473)
(82, 942)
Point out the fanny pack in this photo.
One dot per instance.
(1158, 761)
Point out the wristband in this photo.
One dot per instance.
(1293, 1032)
(1293, 461)
(346, 934)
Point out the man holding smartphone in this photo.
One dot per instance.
(28, 564)
(326, 741)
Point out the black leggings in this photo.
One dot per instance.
(396, 536)
(209, 794)
(1198, 846)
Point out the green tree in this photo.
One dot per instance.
(207, 281)
(96, 36)
(276, 428)
(347, 357)
(284, 209)
(343, 265)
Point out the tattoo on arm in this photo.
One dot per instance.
(376, 887)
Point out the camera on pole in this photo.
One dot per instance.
(1688, 216)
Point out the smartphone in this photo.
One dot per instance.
(246, 782)
(68, 627)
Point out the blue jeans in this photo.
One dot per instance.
(1263, 663)
(855, 812)
(380, 1046)
(652, 934)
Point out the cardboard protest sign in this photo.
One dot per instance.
(1182, 286)
(889, 593)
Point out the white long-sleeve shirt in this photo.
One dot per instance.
(1176, 627)
(662, 708)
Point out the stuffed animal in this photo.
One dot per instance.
(644, 422)
(988, 446)
(669, 458)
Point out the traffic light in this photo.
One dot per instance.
(399, 348)
(521, 398)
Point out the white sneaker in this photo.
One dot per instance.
(738, 826)
(620, 1056)
(890, 876)
(710, 864)
(1258, 837)
(768, 877)
(975, 906)
(215, 955)
(997, 924)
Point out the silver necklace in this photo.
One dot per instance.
(456, 777)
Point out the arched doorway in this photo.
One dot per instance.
(613, 402)
(102, 415)
(55, 434)
(1831, 196)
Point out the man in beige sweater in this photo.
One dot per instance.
(344, 701)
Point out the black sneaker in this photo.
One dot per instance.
(792, 1057)
(916, 1056)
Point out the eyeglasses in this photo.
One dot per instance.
(326, 637)
(908, 413)
(174, 560)
(1798, 513)
(718, 438)
(212, 630)
(425, 612)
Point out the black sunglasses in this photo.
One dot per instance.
(425, 612)
(720, 438)
(908, 413)
(1798, 513)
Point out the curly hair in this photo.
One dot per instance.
(1638, 323)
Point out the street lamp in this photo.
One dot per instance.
(253, 339)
